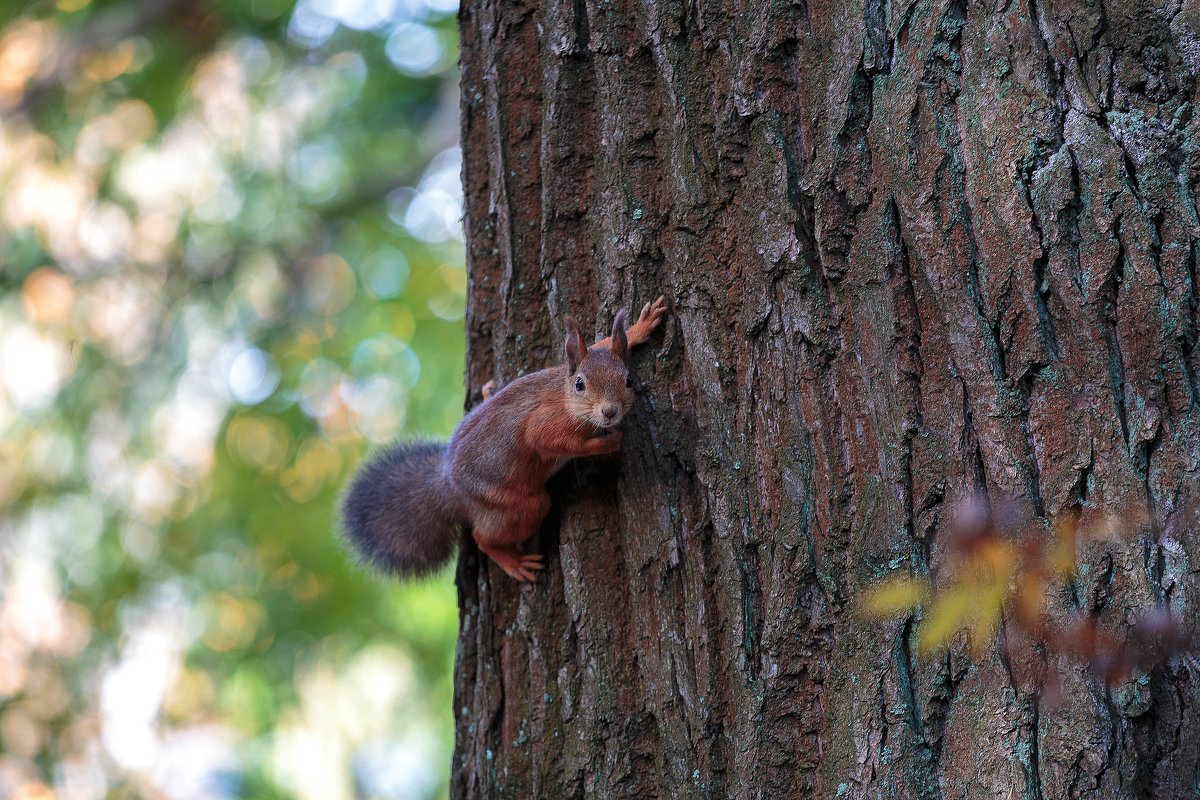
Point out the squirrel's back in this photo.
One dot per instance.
(487, 450)
(400, 513)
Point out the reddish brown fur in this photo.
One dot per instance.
(403, 508)
(503, 452)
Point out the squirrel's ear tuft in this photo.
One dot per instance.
(620, 343)
(574, 345)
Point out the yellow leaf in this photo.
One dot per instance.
(895, 596)
(987, 613)
(950, 612)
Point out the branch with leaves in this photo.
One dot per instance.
(1000, 580)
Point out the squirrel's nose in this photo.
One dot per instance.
(609, 410)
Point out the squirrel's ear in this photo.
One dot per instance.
(575, 349)
(620, 343)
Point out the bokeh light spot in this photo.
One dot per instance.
(318, 387)
(317, 170)
(47, 296)
(33, 367)
(34, 791)
(233, 622)
(387, 356)
(317, 462)
(433, 211)
(414, 48)
(385, 272)
(360, 15)
(253, 376)
(260, 442)
(328, 284)
(104, 65)
(23, 47)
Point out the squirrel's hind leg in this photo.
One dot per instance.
(498, 537)
(520, 566)
(498, 532)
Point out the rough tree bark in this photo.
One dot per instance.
(916, 251)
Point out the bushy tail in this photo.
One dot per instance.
(399, 513)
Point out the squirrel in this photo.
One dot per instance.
(404, 509)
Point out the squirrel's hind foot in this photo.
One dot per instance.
(521, 567)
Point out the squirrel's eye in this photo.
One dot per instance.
(628, 381)
(579, 384)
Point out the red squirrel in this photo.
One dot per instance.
(405, 507)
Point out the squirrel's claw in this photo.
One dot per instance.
(527, 567)
(653, 312)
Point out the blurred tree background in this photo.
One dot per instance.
(231, 262)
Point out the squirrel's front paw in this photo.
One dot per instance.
(612, 440)
(653, 313)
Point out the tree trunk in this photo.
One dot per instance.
(915, 252)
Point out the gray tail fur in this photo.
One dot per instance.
(399, 513)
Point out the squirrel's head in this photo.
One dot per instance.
(599, 386)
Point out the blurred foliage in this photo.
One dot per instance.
(231, 261)
(999, 585)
